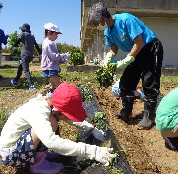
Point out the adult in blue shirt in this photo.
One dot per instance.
(3, 40)
(144, 59)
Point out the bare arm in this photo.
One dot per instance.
(114, 49)
(138, 45)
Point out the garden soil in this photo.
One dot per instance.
(144, 149)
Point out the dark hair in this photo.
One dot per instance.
(46, 32)
(105, 13)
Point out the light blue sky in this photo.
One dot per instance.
(66, 14)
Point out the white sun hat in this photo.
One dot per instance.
(51, 27)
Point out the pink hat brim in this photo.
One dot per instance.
(58, 32)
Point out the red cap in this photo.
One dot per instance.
(68, 100)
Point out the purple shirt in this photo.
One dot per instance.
(50, 56)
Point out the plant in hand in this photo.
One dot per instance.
(104, 75)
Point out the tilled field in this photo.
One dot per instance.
(145, 150)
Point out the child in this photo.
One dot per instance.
(28, 42)
(34, 122)
(116, 91)
(167, 119)
(50, 56)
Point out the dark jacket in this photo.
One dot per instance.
(28, 42)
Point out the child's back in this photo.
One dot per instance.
(28, 42)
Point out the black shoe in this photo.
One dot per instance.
(171, 143)
(124, 115)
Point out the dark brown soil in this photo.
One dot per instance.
(144, 149)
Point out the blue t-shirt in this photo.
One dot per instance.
(3, 39)
(126, 28)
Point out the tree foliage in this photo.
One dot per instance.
(77, 58)
(62, 48)
(36, 53)
(11, 41)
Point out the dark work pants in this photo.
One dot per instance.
(147, 67)
(24, 66)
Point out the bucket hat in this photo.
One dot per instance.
(51, 27)
(68, 100)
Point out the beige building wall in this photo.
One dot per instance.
(167, 31)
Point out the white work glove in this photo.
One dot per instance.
(108, 59)
(98, 134)
(14, 49)
(68, 56)
(65, 57)
(122, 64)
(101, 154)
(86, 126)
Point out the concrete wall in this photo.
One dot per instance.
(140, 4)
(166, 29)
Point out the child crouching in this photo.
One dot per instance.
(34, 122)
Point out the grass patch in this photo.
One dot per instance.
(169, 79)
(2, 119)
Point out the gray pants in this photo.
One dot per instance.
(24, 66)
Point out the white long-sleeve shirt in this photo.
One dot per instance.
(35, 114)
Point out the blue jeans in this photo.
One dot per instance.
(48, 73)
(24, 66)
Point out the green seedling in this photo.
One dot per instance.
(106, 143)
(86, 92)
(101, 120)
(104, 75)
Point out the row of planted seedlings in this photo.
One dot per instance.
(98, 118)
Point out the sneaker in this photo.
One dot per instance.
(14, 83)
(31, 86)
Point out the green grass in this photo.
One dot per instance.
(169, 79)
(2, 119)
